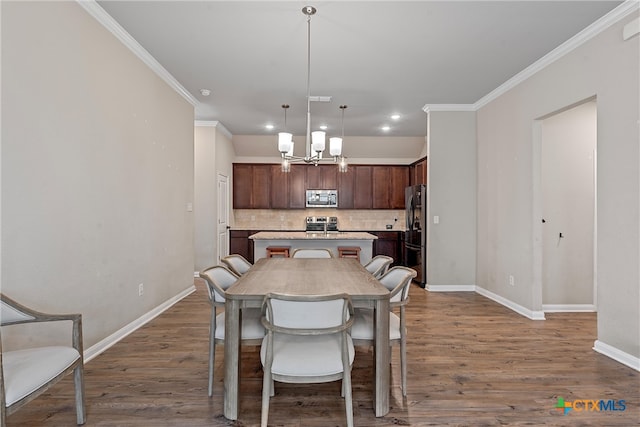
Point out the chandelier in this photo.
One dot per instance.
(315, 141)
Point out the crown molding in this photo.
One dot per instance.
(100, 15)
(216, 124)
(448, 107)
(626, 8)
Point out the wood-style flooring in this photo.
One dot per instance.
(471, 362)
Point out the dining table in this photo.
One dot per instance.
(306, 276)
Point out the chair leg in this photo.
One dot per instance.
(212, 357)
(78, 379)
(267, 391)
(348, 400)
(403, 363)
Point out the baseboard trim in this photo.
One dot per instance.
(531, 314)
(568, 308)
(450, 288)
(112, 339)
(617, 355)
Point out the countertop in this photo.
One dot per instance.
(303, 235)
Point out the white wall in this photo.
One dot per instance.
(606, 67)
(97, 171)
(451, 246)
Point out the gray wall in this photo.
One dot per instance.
(451, 255)
(606, 67)
(97, 171)
(214, 155)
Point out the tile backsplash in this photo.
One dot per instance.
(294, 219)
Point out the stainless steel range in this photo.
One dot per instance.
(321, 223)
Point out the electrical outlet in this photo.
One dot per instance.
(140, 289)
(512, 281)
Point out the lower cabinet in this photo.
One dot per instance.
(239, 243)
(389, 243)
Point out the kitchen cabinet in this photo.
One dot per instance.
(363, 187)
(322, 177)
(279, 188)
(389, 243)
(297, 186)
(265, 186)
(388, 185)
(251, 186)
(239, 243)
(346, 189)
(418, 172)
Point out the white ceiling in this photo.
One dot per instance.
(377, 57)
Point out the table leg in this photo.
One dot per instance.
(231, 358)
(381, 348)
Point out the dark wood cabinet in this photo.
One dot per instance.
(346, 189)
(265, 186)
(251, 186)
(239, 243)
(398, 182)
(389, 243)
(322, 177)
(418, 172)
(279, 188)
(363, 187)
(297, 186)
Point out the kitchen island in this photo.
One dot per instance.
(302, 239)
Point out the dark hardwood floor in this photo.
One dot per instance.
(471, 362)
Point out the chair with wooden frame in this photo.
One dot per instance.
(307, 341)
(27, 373)
(218, 279)
(378, 265)
(312, 253)
(398, 281)
(237, 263)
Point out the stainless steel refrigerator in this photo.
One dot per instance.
(415, 239)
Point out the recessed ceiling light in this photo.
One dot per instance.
(395, 116)
(386, 128)
(323, 127)
(205, 92)
(269, 126)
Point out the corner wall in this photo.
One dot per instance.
(606, 67)
(97, 172)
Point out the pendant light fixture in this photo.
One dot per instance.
(315, 141)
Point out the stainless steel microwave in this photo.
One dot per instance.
(322, 198)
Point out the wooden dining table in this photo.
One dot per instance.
(306, 276)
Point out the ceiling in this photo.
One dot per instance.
(377, 57)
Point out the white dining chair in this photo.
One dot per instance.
(218, 279)
(237, 263)
(27, 373)
(312, 253)
(378, 265)
(307, 341)
(398, 281)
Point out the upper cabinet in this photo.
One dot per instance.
(251, 186)
(418, 171)
(389, 183)
(322, 177)
(265, 186)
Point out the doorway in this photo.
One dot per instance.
(223, 217)
(568, 141)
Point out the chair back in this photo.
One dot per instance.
(307, 314)
(237, 263)
(218, 279)
(379, 265)
(397, 280)
(312, 253)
